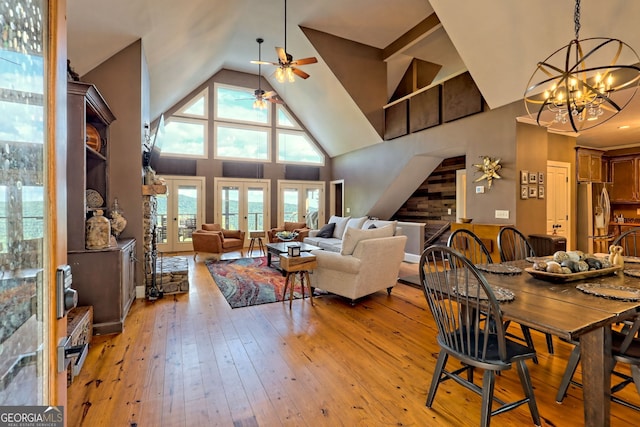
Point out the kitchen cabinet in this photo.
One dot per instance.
(624, 176)
(589, 165)
(104, 279)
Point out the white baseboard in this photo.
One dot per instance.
(140, 292)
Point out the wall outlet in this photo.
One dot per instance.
(480, 189)
(449, 211)
(348, 210)
(502, 214)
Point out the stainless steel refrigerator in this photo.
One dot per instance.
(593, 216)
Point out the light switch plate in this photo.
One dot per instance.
(502, 214)
(479, 189)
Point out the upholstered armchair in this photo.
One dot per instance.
(298, 227)
(215, 240)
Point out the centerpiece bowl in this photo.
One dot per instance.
(286, 236)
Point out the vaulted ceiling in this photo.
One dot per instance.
(498, 41)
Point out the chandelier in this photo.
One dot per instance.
(582, 84)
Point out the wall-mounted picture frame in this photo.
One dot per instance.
(533, 178)
(524, 192)
(524, 177)
(533, 191)
(541, 192)
(540, 178)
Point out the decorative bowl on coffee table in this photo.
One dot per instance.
(286, 236)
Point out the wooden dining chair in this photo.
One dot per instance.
(514, 246)
(469, 244)
(625, 348)
(467, 316)
(630, 241)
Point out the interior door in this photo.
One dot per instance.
(301, 201)
(557, 194)
(180, 213)
(32, 141)
(242, 204)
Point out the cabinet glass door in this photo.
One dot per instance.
(26, 340)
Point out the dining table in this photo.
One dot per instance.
(561, 308)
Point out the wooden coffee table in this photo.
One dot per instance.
(281, 248)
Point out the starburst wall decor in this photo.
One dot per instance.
(489, 169)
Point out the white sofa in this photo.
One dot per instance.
(366, 264)
(334, 243)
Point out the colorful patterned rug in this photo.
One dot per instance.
(248, 281)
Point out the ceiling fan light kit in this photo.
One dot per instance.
(582, 84)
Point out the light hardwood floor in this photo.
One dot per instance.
(190, 360)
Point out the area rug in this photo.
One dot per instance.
(248, 281)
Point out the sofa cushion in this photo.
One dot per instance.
(379, 223)
(354, 235)
(341, 224)
(354, 223)
(327, 230)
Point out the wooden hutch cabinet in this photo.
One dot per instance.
(103, 278)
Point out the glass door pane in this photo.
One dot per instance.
(291, 204)
(230, 203)
(24, 296)
(161, 220)
(256, 206)
(187, 213)
(312, 207)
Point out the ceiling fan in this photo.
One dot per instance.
(287, 67)
(259, 95)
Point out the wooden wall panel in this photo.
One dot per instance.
(460, 98)
(396, 120)
(424, 110)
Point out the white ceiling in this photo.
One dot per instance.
(498, 41)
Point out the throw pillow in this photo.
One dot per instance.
(354, 223)
(380, 223)
(326, 231)
(341, 224)
(353, 236)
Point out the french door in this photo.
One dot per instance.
(301, 201)
(242, 204)
(180, 213)
(33, 140)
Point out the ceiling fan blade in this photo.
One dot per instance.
(282, 55)
(269, 94)
(276, 101)
(305, 61)
(300, 73)
(264, 62)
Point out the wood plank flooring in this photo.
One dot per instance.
(191, 360)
